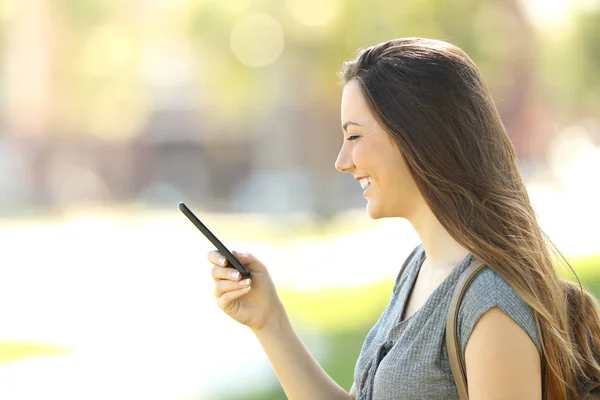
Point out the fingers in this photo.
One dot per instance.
(219, 273)
(245, 258)
(216, 258)
(219, 261)
(219, 270)
(225, 301)
(228, 286)
(225, 286)
(251, 262)
(227, 291)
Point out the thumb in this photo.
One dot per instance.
(251, 262)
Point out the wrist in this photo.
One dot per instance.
(274, 325)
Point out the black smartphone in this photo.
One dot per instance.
(234, 262)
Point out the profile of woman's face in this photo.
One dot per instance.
(372, 157)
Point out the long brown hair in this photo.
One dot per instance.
(431, 98)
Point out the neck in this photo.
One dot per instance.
(442, 251)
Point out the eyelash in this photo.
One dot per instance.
(353, 137)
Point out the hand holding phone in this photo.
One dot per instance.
(251, 302)
(234, 262)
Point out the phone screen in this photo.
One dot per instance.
(234, 262)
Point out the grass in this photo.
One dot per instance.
(588, 271)
(337, 310)
(11, 351)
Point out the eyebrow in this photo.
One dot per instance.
(345, 126)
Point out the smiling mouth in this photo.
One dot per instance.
(365, 182)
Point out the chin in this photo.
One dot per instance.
(374, 211)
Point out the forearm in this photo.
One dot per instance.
(298, 372)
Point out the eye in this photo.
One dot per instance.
(352, 137)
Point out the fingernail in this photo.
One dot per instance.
(245, 282)
(222, 260)
(235, 274)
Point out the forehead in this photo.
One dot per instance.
(353, 106)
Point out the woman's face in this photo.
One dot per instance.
(372, 157)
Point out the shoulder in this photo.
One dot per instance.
(501, 347)
(488, 291)
(501, 360)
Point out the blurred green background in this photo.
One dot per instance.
(111, 112)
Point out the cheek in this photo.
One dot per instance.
(363, 158)
(394, 175)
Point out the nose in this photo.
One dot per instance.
(344, 162)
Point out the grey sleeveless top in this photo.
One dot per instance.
(408, 359)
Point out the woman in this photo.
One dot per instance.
(424, 139)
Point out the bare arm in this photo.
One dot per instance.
(502, 361)
(298, 372)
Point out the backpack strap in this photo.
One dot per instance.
(457, 363)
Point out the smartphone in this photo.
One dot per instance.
(234, 262)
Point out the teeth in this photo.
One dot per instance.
(365, 182)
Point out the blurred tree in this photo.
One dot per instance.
(115, 64)
(587, 43)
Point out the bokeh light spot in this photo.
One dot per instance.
(257, 40)
(107, 51)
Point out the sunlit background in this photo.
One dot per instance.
(113, 111)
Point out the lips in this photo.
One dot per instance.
(365, 182)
